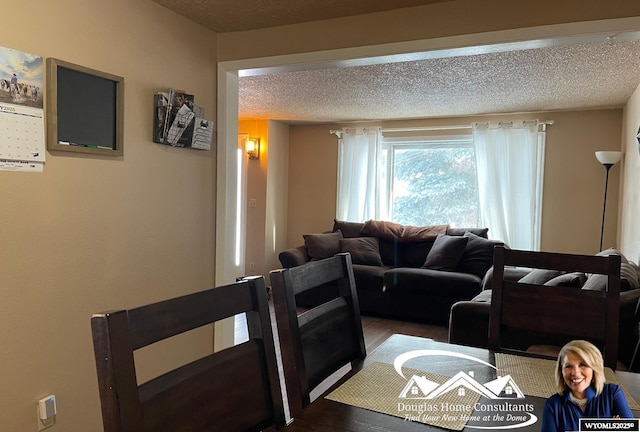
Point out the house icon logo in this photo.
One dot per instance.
(419, 387)
(477, 397)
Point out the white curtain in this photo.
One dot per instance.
(510, 163)
(359, 152)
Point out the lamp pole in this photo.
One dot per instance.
(607, 159)
(604, 205)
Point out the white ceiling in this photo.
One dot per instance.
(578, 74)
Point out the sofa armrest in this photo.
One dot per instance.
(294, 257)
(469, 323)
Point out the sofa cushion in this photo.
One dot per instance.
(574, 279)
(540, 276)
(480, 232)
(349, 229)
(363, 250)
(321, 246)
(477, 258)
(369, 278)
(628, 279)
(431, 283)
(413, 254)
(445, 252)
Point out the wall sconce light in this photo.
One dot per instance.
(253, 148)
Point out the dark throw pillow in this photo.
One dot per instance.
(596, 282)
(349, 229)
(321, 246)
(445, 252)
(540, 276)
(478, 255)
(363, 250)
(574, 279)
(628, 279)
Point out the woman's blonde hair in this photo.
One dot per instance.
(590, 355)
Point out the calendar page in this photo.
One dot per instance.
(22, 139)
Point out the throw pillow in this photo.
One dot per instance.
(613, 251)
(629, 275)
(349, 229)
(540, 276)
(445, 252)
(628, 279)
(363, 250)
(575, 279)
(481, 232)
(634, 268)
(596, 282)
(321, 246)
(477, 258)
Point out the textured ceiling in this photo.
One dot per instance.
(578, 76)
(564, 77)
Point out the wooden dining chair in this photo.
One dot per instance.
(558, 312)
(319, 341)
(235, 389)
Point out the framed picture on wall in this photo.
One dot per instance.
(85, 109)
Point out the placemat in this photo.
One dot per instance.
(535, 376)
(378, 387)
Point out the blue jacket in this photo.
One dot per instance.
(560, 414)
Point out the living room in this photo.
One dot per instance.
(91, 234)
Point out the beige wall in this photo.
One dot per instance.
(629, 234)
(266, 224)
(256, 189)
(573, 188)
(92, 233)
(449, 18)
(96, 233)
(277, 195)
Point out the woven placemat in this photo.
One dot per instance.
(535, 376)
(378, 387)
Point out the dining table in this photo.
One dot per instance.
(411, 383)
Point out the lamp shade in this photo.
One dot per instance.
(608, 157)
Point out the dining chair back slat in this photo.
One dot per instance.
(234, 389)
(319, 341)
(557, 312)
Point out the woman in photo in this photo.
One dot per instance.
(582, 391)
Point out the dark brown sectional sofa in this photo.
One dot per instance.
(469, 320)
(402, 272)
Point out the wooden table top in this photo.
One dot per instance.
(326, 415)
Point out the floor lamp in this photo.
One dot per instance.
(608, 159)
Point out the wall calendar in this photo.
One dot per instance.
(22, 140)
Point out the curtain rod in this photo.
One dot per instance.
(338, 133)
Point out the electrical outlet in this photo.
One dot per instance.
(46, 412)
(44, 424)
(252, 266)
(252, 203)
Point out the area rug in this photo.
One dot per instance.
(378, 387)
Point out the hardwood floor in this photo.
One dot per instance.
(376, 330)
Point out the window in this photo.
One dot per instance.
(430, 181)
(490, 178)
